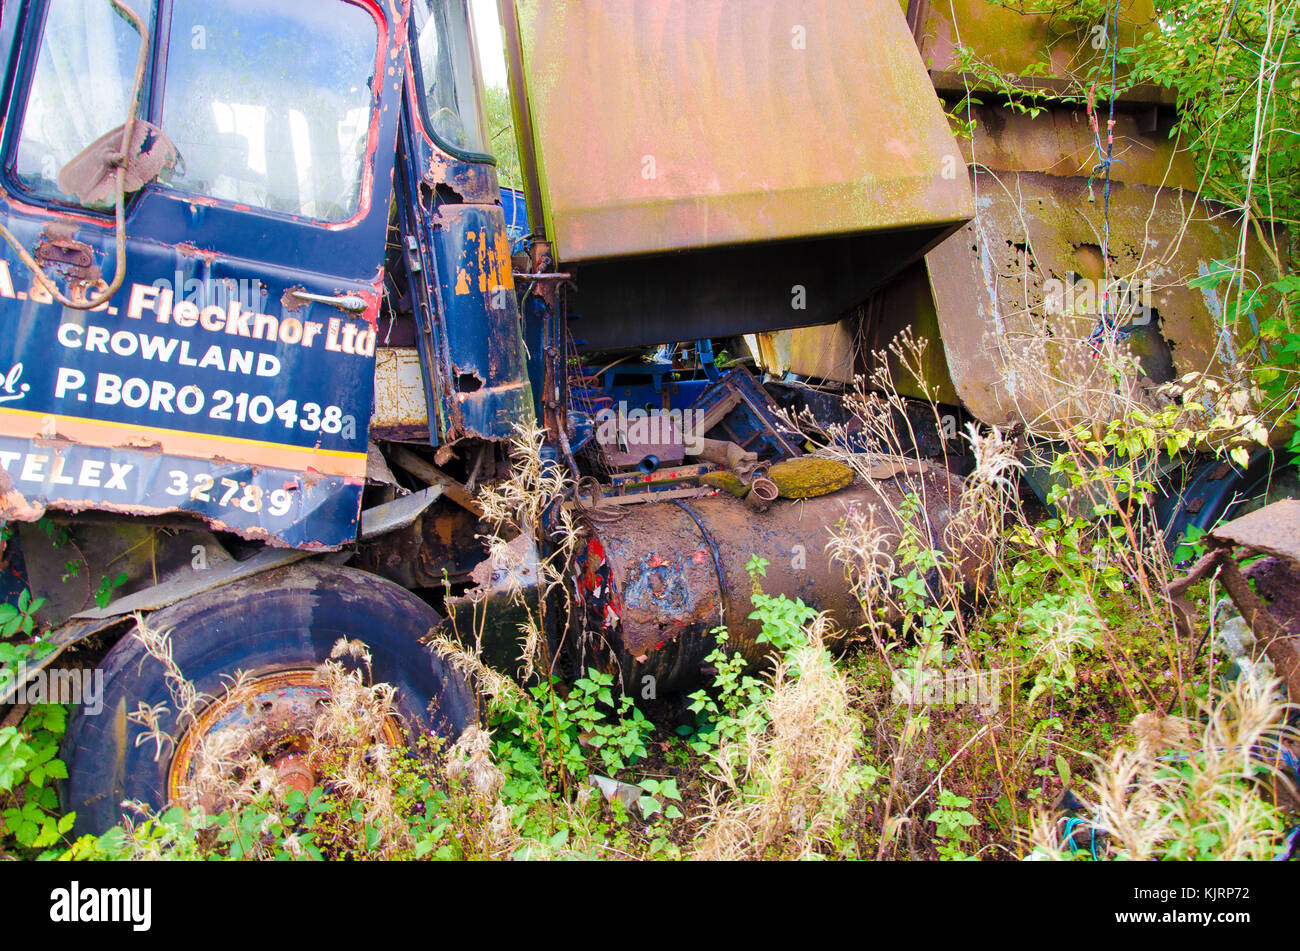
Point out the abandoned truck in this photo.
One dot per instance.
(270, 329)
(266, 319)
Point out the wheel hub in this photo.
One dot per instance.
(270, 718)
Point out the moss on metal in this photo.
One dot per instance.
(808, 478)
(728, 481)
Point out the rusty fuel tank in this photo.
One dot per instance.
(657, 582)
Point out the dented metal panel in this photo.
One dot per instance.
(1019, 288)
(665, 125)
(475, 345)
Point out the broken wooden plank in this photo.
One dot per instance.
(430, 473)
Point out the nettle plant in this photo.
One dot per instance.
(952, 823)
(732, 705)
(546, 743)
(19, 642)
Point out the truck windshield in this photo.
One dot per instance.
(85, 66)
(449, 76)
(269, 103)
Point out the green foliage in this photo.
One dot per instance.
(29, 807)
(952, 822)
(545, 742)
(732, 704)
(1191, 545)
(927, 618)
(1261, 314)
(501, 131)
(617, 730)
(1245, 138)
(1062, 627)
(19, 618)
(19, 642)
(107, 585)
(782, 620)
(661, 796)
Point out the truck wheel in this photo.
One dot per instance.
(276, 628)
(1219, 491)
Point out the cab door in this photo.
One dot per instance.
(470, 339)
(231, 374)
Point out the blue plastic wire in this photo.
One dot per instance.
(1070, 825)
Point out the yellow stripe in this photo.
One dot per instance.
(129, 431)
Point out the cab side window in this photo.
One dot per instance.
(81, 89)
(269, 103)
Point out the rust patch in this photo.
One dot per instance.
(65, 253)
(290, 302)
(656, 583)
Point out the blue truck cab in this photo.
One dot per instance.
(278, 152)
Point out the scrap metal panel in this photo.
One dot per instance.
(1011, 355)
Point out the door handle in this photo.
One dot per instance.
(347, 302)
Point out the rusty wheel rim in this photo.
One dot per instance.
(275, 715)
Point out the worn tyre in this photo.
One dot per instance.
(277, 627)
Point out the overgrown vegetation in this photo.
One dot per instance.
(1019, 689)
(828, 753)
(1231, 68)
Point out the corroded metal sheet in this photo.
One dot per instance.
(1037, 49)
(859, 341)
(663, 125)
(1273, 530)
(400, 410)
(827, 352)
(1017, 290)
(1059, 141)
